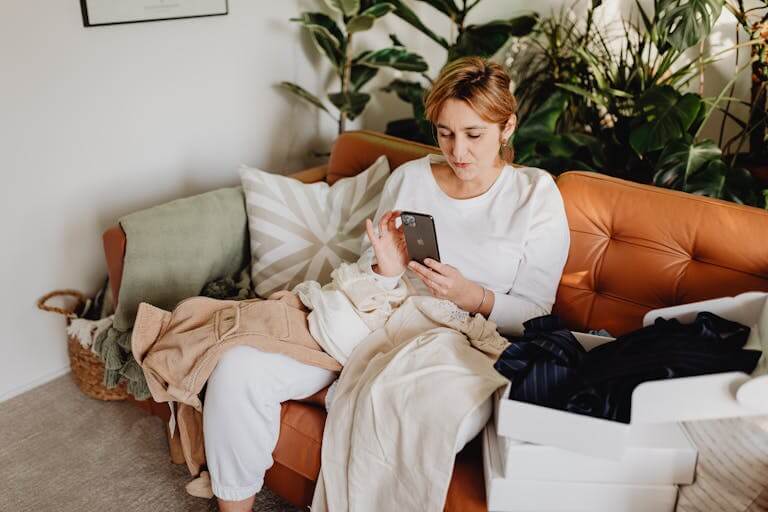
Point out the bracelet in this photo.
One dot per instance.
(479, 306)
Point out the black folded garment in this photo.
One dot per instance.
(547, 366)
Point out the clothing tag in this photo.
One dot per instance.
(172, 421)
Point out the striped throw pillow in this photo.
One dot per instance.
(302, 231)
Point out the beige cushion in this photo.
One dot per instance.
(301, 231)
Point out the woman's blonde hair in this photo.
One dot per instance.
(483, 85)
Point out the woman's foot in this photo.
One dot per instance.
(236, 506)
(201, 486)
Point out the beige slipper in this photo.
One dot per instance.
(200, 487)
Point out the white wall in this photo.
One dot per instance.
(99, 122)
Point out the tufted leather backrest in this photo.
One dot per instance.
(637, 247)
(633, 247)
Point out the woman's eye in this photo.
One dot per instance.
(443, 134)
(473, 135)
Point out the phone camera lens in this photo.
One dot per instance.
(409, 220)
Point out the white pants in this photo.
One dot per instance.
(241, 415)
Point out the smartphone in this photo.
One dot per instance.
(420, 236)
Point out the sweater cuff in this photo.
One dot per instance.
(387, 282)
(509, 313)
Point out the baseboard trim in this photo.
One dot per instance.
(34, 383)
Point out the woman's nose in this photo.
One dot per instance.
(459, 147)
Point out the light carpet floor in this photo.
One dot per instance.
(63, 451)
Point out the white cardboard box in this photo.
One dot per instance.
(505, 495)
(721, 395)
(659, 454)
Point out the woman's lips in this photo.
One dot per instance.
(461, 165)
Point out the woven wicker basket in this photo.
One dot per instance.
(87, 368)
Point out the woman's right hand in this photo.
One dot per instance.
(389, 246)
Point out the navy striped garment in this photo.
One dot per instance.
(547, 366)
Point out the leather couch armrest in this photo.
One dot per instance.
(114, 252)
(312, 174)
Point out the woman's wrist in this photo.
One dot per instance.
(482, 301)
(479, 307)
(473, 299)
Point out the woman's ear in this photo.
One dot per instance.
(509, 129)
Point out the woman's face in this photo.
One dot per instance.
(469, 143)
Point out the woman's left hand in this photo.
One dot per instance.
(446, 282)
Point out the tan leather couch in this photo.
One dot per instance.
(633, 248)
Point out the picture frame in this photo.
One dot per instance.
(97, 13)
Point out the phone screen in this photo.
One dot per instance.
(420, 236)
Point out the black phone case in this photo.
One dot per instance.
(420, 236)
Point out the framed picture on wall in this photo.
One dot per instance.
(112, 12)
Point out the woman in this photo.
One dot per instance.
(502, 231)
(503, 239)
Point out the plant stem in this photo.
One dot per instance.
(346, 73)
(702, 48)
(745, 135)
(719, 97)
(733, 87)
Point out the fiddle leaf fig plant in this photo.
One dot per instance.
(335, 41)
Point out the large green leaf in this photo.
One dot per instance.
(365, 20)
(345, 7)
(538, 143)
(537, 130)
(360, 23)
(447, 7)
(685, 23)
(709, 180)
(352, 103)
(691, 166)
(361, 75)
(542, 122)
(485, 40)
(664, 115)
(395, 57)
(406, 13)
(326, 35)
(379, 9)
(417, 130)
(304, 94)
(410, 92)
(592, 149)
(584, 93)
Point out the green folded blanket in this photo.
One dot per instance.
(173, 251)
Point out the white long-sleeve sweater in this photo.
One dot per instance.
(513, 239)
